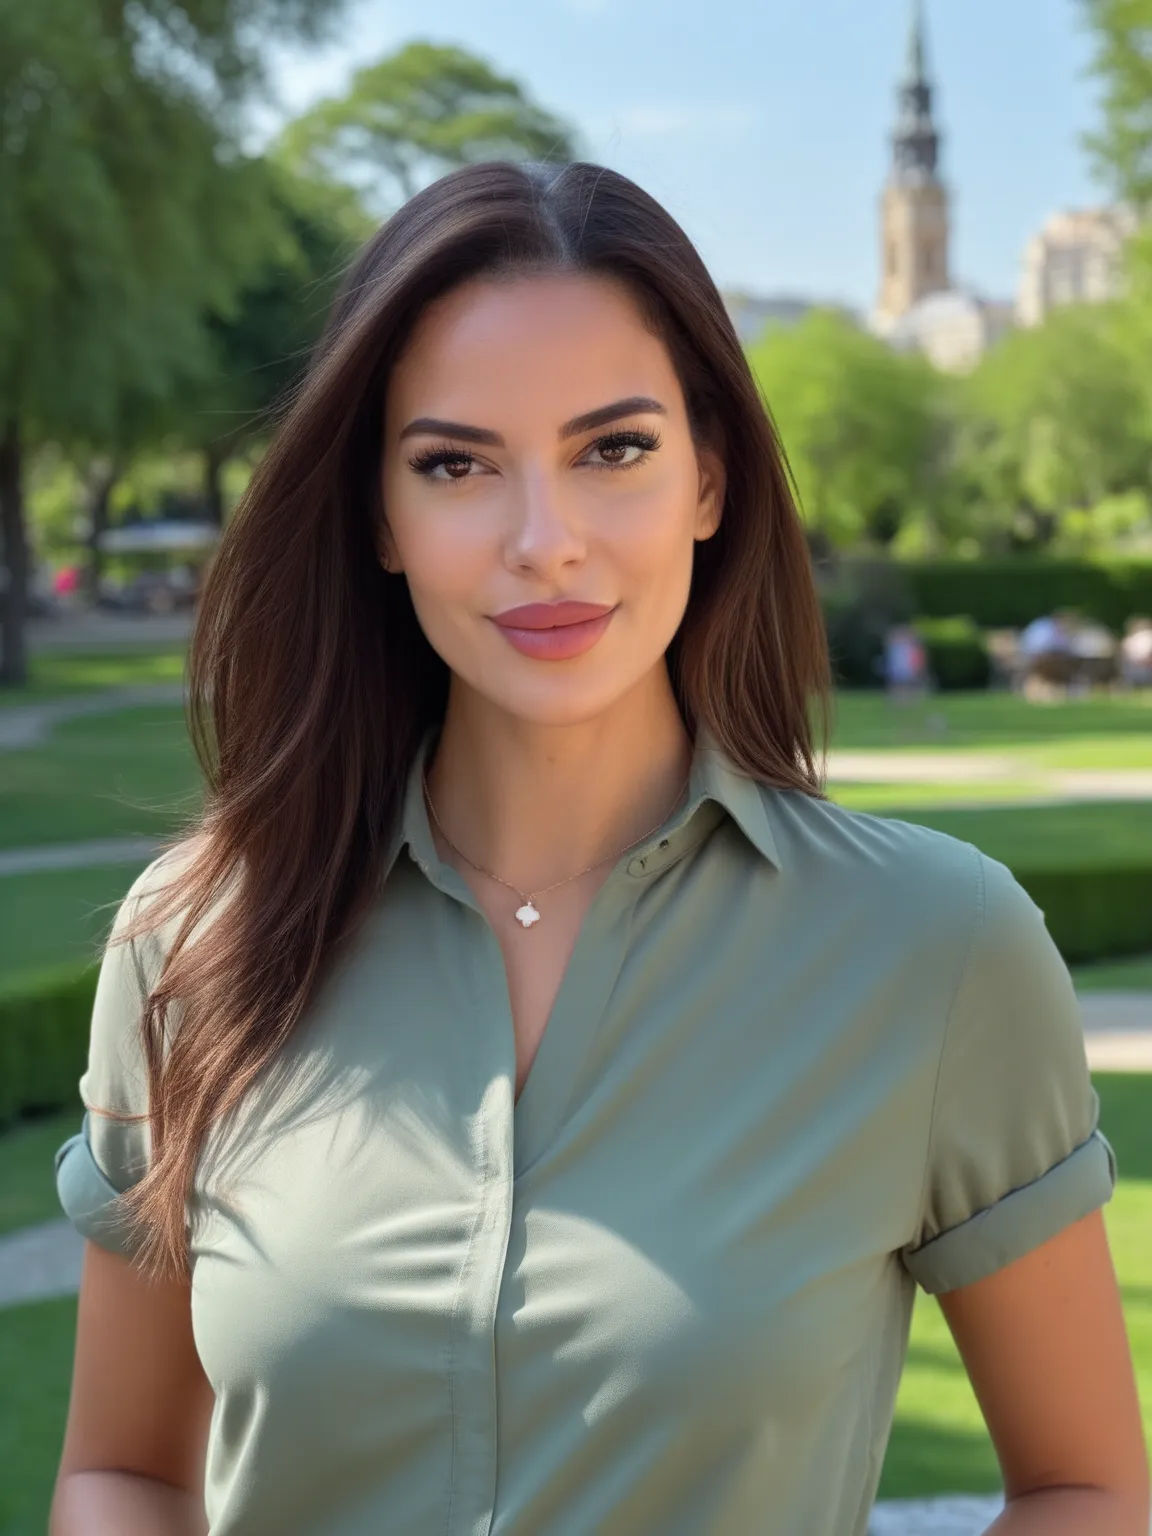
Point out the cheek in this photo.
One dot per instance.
(652, 550)
(445, 557)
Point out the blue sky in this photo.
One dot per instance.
(762, 124)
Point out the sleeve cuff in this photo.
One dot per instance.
(92, 1204)
(1020, 1222)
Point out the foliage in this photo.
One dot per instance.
(859, 423)
(1122, 147)
(861, 597)
(129, 211)
(415, 115)
(957, 652)
(1057, 418)
(1009, 593)
(44, 1025)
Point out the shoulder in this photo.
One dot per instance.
(821, 840)
(908, 879)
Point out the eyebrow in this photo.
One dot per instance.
(634, 405)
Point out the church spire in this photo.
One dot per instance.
(917, 73)
(915, 143)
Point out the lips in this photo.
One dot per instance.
(551, 615)
(554, 631)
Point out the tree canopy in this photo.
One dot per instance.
(415, 115)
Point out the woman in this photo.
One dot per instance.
(560, 1098)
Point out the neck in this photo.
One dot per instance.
(536, 803)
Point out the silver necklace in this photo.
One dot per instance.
(526, 913)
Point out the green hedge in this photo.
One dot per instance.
(957, 653)
(1007, 594)
(1093, 914)
(44, 1024)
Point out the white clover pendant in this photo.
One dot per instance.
(527, 915)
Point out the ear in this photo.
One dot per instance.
(710, 503)
(386, 549)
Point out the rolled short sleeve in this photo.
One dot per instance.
(1015, 1153)
(108, 1155)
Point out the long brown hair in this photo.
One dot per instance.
(310, 682)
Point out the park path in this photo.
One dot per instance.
(30, 725)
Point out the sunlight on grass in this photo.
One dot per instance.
(991, 719)
(100, 776)
(59, 674)
(1133, 975)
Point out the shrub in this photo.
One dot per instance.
(957, 652)
(45, 1021)
(861, 598)
(1009, 593)
(1094, 914)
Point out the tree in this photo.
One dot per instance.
(859, 423)
(260, 347)
(1058, 420)
(129, 212)
(414, 116)
(1122, 147)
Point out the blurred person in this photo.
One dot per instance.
(905, 665)
(523, 1101)
(1136, 652)
(1048, 660)
(1050, 632)
(1096, 650)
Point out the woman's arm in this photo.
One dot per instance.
(135, 1441)
(1045, 1346)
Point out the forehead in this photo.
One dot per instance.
(571, 339)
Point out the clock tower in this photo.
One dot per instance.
(914, 218)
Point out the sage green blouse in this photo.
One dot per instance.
(803, 1060)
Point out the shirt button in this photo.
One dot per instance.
(637, 866)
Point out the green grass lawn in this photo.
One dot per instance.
(938, 1445)
(997, 720)
(36, 1344)
(1033, 836)
(100, 776)
(27, 1178)
(1133, 975)
(60, 674)
(57, 916)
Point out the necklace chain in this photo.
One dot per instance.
(527, 914)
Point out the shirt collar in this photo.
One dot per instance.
(713, 778)
(716, 777)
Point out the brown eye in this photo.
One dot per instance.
(617, 442)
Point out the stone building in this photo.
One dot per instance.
(1074, 259)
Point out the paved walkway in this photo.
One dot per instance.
(95, 628)
(96, 850)
(30, 725)
(1044, 785)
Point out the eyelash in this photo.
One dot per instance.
(424, 463)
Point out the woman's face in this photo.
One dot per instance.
(501, 491)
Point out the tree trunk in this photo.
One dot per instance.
(101, 476)
(13, 652)
(215, 458)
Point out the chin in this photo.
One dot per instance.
(555, 701)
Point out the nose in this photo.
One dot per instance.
(544, 532)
